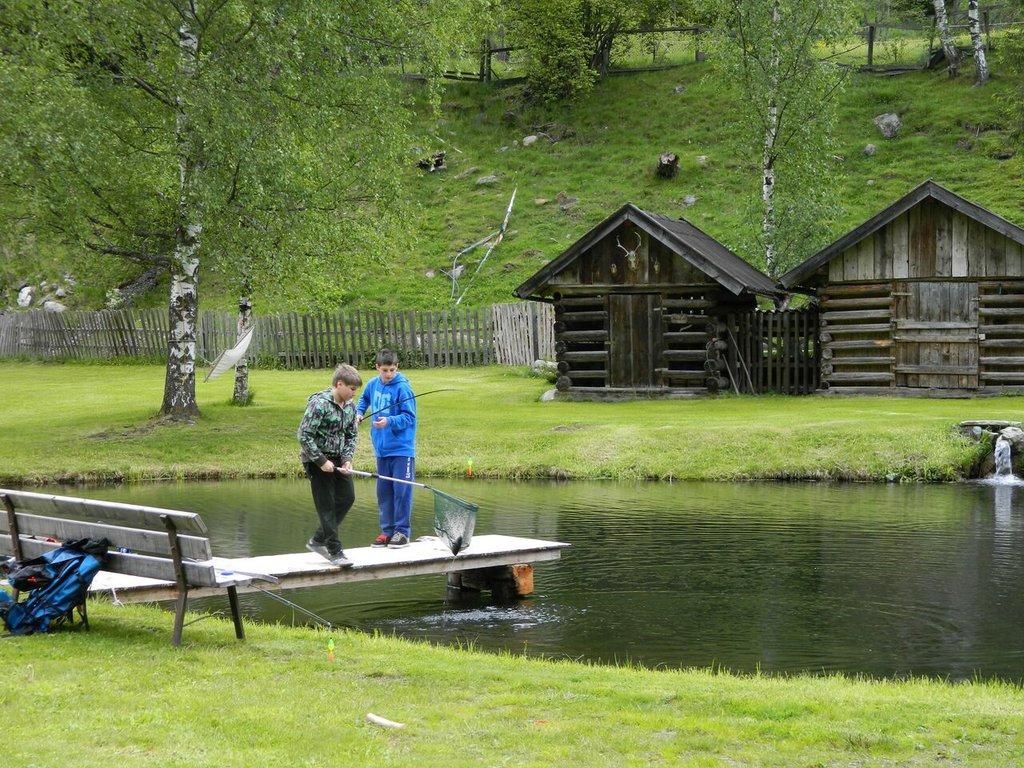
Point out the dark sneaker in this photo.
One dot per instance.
(339, 559)
(381, 541)
(398, 540)
(317, 549)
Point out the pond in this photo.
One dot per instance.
(880, 580)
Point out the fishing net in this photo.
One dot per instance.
(454, 520)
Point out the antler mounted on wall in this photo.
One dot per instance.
(631, 254)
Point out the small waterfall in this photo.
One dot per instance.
(1004, 463)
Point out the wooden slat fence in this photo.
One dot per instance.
(507, 334)
(774, 351)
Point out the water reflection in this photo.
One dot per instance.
(881, 580)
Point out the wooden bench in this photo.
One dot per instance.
(148, 542)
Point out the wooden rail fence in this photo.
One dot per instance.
(773, 351)
(507, 334)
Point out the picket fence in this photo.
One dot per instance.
(505, 334)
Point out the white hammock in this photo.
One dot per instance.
(229, 357)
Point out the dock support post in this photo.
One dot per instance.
(501, 580)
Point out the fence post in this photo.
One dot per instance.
(871, 45)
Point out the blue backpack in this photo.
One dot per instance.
(71, 569)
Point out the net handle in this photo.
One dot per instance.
(383, 477)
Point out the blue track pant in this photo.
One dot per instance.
(395, 499)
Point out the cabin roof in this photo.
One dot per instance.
(680, 236)
(928, 189)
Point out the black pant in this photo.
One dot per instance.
(333, 496)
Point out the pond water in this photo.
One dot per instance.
(881, 580)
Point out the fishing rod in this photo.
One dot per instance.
(405, 400)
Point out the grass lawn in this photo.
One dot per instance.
(120, 695)
(74, 422)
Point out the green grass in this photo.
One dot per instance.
(619, 131)
(120, 695)
(84, 422)
(622, 127)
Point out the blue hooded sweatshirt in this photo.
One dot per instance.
(398, 438)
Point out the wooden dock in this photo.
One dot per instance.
(487, 556)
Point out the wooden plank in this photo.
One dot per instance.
(861, 360)
(1014, 258)
(995, 247)
(899, 229)
(851, 263)
(199, 574)
(683, 337)
(684, 354)
(861, 377)
(931, 368)
(905, 325)
(857, 314)
(870, 302)
(305, 569)
(958, 254)
(1000, 299)
(876, 328)
(1002, 376)
(583, 317)
(1000, 343)
(865, 260)
(102, 511)
(1001, 311)
(1004, 360)
(847, 290)
(136, 539)
(943, 219)
(977, 253)
(861, 344)
(996, 330)
(937, 338)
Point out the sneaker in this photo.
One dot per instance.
(398, 540)
(381, 541)
(317, 549)
(339, 559)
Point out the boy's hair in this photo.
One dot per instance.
(348, 374)
(387, 357)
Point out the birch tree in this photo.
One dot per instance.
(980, 64)
(164, 132)
(776, 53)
(945, 38)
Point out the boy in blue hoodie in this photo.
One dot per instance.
(389, 397)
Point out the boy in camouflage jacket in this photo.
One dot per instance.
(327, 436)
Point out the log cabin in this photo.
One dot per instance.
(640, 307)
(925, 299)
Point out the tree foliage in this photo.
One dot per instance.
(256, 137)
(778, 55)
(568, 43)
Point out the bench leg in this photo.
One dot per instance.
(236, 614)
(179, 616)
(84, 613)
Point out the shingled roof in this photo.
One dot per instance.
(928, 189)
(681, 237)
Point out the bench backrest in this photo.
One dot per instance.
(142, 530)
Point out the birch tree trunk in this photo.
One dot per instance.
(948, 48)
(241, 395)
(180, 384)
(771, 131)
(980, 64)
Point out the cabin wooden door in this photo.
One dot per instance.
(634, 339)
(936, 335)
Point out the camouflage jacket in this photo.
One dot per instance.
(327, 429)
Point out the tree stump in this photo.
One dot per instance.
(668, 166)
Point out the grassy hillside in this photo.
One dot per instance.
(618, 131)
